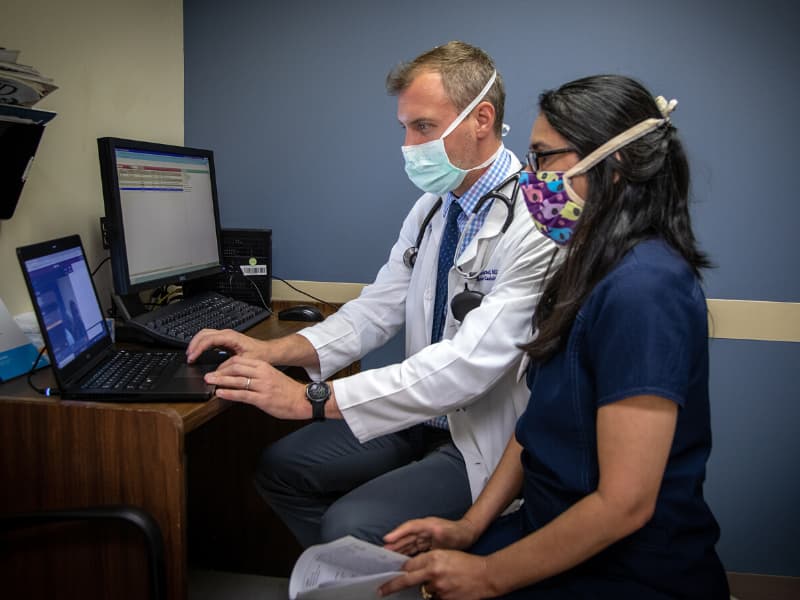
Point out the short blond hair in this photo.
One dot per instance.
(464, 68)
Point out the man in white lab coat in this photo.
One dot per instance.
(376, 456)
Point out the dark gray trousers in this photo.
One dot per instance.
(324, 484)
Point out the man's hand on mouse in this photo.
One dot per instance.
(233, 341)
(290, 350)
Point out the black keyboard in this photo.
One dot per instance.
(175, 324)
(136, 371)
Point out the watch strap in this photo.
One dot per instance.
(318, 393)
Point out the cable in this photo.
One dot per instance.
(328, 304)
(43, 391)
(164, 295)
(258, 291)
(102, 262)
(232, 270)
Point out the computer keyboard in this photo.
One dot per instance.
(175, 324)
(131, 371)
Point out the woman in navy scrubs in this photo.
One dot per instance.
(610, 454)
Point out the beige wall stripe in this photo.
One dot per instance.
(728, 319)
(754, 320)
(329, 291)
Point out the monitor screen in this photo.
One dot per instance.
(62, 289)
(162, 213)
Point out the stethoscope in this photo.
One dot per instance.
(463, 302)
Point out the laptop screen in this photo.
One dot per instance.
(67, 303)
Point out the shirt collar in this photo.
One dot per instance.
(493, 176)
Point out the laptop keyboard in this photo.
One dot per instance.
(132, 371)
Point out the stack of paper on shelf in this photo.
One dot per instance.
(21, 84)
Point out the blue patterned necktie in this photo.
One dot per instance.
(447, 250)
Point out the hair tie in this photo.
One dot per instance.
(664, 107)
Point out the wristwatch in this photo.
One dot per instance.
(318, 393)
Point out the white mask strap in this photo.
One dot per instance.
(618, 141)
(489, 160)
(471, 105)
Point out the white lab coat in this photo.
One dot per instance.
(473, 375)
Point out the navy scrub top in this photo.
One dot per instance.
(642, 330)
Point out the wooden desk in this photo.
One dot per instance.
(182, 462)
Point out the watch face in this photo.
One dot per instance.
(317, 392)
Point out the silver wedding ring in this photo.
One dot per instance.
(247, 385)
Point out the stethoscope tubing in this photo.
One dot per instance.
(494, 194)
(410, 255)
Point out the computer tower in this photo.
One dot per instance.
(247, 254)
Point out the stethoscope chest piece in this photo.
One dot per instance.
(410, 257)
(467, 299)
(463, 302)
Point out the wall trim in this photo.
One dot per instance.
(754, 320)
(727, 319)
(330, 291)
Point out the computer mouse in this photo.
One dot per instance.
(212, 357)
(301, 312)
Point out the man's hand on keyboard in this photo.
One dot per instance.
(256, 382)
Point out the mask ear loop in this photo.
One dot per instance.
(626, 137)
(607, 149)
(470, 107)
(478, 99)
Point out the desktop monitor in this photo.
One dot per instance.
(162, 216)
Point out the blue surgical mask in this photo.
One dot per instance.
(428, 166)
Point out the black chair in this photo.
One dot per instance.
(132, 515)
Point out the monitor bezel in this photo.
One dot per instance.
(107, 148)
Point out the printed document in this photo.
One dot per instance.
(346, 569)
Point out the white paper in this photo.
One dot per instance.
(11, 336)
(17, 353)
(346, 569)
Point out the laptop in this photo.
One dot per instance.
(85, 361)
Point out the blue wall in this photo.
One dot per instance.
(290, 95)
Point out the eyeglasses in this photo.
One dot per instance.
(533, 156)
